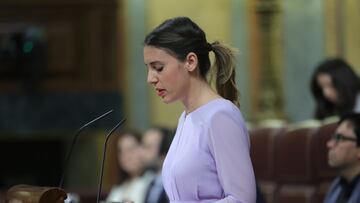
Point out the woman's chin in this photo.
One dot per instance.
(167, 100)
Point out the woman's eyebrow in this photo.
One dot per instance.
(153, 63)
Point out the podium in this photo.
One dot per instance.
(35, 194)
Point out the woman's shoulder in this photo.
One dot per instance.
(116, 192)
(147, 177)
(219, 108)
(219, 104)
(224, 106)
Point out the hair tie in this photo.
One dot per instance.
(209, 46)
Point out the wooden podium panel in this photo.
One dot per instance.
(35, 194)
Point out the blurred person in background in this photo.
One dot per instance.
(133, 182)
(335, 87)
(156, 142)
(344, 155)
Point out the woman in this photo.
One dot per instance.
(208, 160)
(335, 87)
(133, 183)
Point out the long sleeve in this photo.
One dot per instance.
(229, 145)
(209, 159)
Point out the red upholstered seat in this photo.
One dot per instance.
(290, 164)
(293, 156)
(322, 169)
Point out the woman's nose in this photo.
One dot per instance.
(151, 78)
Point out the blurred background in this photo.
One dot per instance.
(64, 62)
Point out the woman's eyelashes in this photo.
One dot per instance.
(158, 68)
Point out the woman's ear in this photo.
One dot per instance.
(191, 62)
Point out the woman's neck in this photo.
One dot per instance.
(135, 174)
(199, 93)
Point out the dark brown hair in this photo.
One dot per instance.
(179, 36)
(346, 83)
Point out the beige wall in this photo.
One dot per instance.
(343, 30)
(213, 16)
(352, 32)
(329, 27)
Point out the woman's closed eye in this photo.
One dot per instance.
(158, 68)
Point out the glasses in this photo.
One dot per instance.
(337, 137)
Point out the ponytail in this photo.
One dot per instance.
(225, 72)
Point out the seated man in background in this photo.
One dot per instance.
(156, 142)
(344, 155)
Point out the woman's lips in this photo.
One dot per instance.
(160, 92)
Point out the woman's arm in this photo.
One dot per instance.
(229, 145)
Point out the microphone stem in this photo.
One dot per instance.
(73, 144)
(104, 157)
(68, 157)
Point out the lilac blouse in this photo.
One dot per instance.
(209, 160)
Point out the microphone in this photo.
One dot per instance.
(74, 141)
(103, 157)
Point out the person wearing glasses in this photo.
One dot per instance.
(344, 155)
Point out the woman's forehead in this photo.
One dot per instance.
(153, 55)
